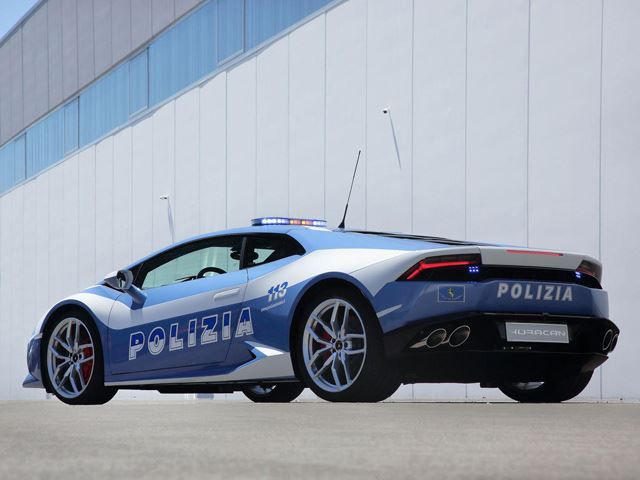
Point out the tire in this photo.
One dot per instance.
(343, 361)
(72, 360)
(276, 393)
(552, 391)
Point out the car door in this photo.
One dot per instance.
(267, 303)
(192, 294)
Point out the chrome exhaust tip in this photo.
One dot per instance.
(614, 342)
(436, 338)
(459, 336)
(606, 341)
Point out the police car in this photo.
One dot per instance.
(288, 303)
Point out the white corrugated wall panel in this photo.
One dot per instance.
(86, 218)
(69, 253)
(142, 192)
(241, 144)
(564, 124)
(439, 68)
(163, 172)
(122, 199)
(497, 92)
(105, 235)
(389, 85)
(307, 119)
(187, 158)
(213, 154)
(620, 194)
(272, 124)
(346, 107)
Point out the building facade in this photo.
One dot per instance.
(511, 121)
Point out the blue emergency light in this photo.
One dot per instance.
(307, 222)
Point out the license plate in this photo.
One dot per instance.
(537, 332)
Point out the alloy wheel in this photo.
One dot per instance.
(334, 345)
(70, 358)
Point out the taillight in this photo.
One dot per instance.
(432, 267)
(590, 268)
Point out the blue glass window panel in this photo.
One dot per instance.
(105, 105)
(230, 28)
(138, 83)
(183, 54)
(71, 126)
(6, 167)
(19, 159)
(45, 142)
(266, 18)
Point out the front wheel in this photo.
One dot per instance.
(73, 367)
(276, 393)
(339, 349)
(551, 391)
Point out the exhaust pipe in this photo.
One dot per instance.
(436, 338)
(607, 340)
(614, 342)
(459, 336)
(439, 337)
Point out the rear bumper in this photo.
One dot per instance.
(493, 368)
(486, 356)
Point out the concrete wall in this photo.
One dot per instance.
(66, 44)
(515, 122)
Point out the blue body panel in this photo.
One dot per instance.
(418, 301)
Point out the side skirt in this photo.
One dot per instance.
(268, 363)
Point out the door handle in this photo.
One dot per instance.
(226, 293)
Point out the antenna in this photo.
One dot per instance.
(344, 217)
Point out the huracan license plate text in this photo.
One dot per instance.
(537, 332)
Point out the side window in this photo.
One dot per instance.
(269, 248)
(190, 262)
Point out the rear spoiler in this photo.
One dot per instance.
(527, 257)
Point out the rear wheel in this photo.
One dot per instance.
(551, 391)
(339, 349)
(275, 393)
(73, 367)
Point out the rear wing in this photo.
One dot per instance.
(526, 257)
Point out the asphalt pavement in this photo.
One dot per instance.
(232, 439)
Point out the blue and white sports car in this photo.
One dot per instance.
(288, 303)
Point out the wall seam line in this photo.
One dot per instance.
(324, 133)
(412, 117)
(466, 114)
(466, 108)
(527, 166)
(601, 369)
(288, 125)
(366, 112)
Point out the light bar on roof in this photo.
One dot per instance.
(307, 222)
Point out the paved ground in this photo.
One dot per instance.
(319, 440)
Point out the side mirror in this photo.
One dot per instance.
(120, 280)
(123, 280)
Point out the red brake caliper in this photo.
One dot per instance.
(87, 366)
(327, 353)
